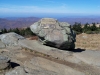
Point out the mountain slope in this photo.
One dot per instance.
(17, 23)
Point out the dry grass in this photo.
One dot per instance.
(33, 38)
(88, 41)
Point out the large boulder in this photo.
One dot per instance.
(10, 39)
(54, 33)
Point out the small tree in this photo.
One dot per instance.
(4, 30)
(77, 27)
(17, 31)
(93, 27)
(86, 28)
(10, 30)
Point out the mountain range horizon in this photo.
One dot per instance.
(57, 16)
(20, 22)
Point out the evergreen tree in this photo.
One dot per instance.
(10, 30)
(28, 32)
(4, 30)
(17, 31)
(86, 27)
(93, 27)
(77, 27)
(22, 32)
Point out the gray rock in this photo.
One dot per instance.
(54, 33)
(39, 71)
(16, 71)
(54, 52)
(35, 45)
(2, 45)
(10, 39)
(41, 66)
(4, 62)
(89, 57)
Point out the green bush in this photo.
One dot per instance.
(88, 32)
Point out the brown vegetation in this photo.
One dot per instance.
(33, 38)
(88, 41)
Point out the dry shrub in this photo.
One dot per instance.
(33, 38)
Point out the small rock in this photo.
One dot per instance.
(10, 39)
(16, 71)
(4, 62)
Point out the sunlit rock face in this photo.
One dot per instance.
(54, 33)
(10, 39)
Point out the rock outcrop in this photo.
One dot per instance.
(54, 33)
(30, 57)
(2, 45)
(10, 39)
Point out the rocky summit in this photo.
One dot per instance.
(20, 56)
(54, 33)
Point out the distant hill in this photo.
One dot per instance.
(17, 22)
(80, 20)
(13, 22)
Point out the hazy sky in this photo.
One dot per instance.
(14, 8)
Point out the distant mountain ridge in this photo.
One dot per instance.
(17, 23)
(13, 22)
(80, 20)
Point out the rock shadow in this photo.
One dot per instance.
(13, 64)
(77, 50)
(63, 47)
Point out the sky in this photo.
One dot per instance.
(49, 8)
